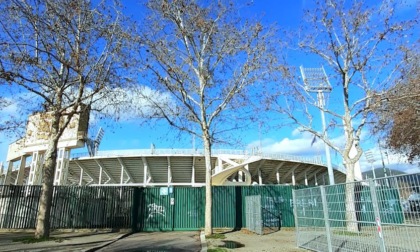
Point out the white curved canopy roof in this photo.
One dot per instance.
(162, 167)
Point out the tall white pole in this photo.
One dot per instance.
(316, 80)
(327, 148)
(373, 171)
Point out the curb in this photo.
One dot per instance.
(122, 236)
(203, 242)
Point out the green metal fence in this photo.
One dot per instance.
(144, 209)
(18, 206)
(372, 215)
(72, 207)
(182, 208)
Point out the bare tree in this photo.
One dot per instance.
(362, 49)
(68, 54)
(210, 61)
(397, 111)
(10, 124)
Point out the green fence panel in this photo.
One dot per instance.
(158, 212)
(91, 207)
(224, 207)
(72, 207)
(168, 208)
(390, 207)
(309, 208)
(18, 206)
(310, 212)
(189, 208)
(143, 209)
(336, 204)
(277, 202)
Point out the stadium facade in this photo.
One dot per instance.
(171, 167)
(149, 167)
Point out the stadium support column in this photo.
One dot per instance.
(219, 167)
(21, 172)
(262, 162)
(35, 170)
(193, 172)
(145, 171)
(81, 177)
(8, 178)
(242, 174)
(122, 173)
(100, 175)
(293, 178)
(169, 171)
(62, 167)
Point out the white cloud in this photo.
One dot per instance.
(132, 103)
(296, 132)
(300, 144)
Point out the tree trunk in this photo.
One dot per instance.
(351, 220)
(208, 230)
(44, 209)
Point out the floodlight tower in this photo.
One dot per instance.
(316, 81)
(93, 144)
(371, 160)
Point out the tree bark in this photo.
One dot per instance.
(45, 202)
(351, 220)
(208, 230)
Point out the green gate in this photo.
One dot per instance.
(168, 209)
(182, 208)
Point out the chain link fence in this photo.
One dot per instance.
(371, 215)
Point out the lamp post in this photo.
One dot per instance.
(316, 81)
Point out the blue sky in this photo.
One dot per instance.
(131, 134)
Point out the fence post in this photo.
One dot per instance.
(377, 215)
(296, 216)
(135, 209)
(326, 217)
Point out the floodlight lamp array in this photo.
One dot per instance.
(315, 79)
(369, 156)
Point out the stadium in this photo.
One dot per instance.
(151, 167)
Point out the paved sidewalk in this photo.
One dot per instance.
(185, 241)
(87, 240)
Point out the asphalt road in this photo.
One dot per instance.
(157, 241)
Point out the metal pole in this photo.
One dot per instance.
(383, 165)
(326, 217)
(381, 242)
(371, 160)
(327, 148)
(373, 171)
(296, 217)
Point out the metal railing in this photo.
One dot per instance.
(72, 207)
(371, 215)
(145, 208)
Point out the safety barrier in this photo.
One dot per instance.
(371, 215)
